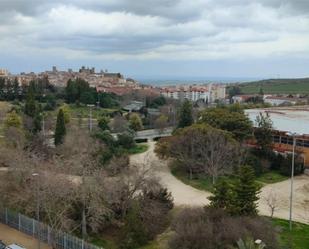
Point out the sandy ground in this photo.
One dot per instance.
(9, 236)
(185, 195)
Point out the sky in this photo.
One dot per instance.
(158, 38)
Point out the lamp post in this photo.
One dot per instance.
(36, 175)
(293, 135)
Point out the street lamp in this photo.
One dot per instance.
(37, 208)
(293, 135)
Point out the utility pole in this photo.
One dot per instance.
(292, 182)
(36, 175)
(292, 134)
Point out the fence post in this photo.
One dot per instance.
(64, 241)
(6, 216)
(83, 244)
(19, 225)
(33, 228)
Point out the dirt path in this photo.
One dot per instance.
(9, 236)
(186, 195)
(183, 194)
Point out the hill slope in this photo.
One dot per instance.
(272, 86)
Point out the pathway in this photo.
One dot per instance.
(186, 195)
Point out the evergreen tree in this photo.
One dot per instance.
(222, 196)
(263, 132)
(16, 88)
(246, 192)
(103, 123)
(30, 106)
(134, 230)
(185, 117)
(60, 128)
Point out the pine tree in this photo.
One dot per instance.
(30, 106)
(60, 128)
(246, 192)
(222, 196)
(185, 117)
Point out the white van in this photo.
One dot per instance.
(14, 246)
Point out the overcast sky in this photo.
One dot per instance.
(158, 38)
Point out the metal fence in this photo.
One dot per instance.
(56, 239)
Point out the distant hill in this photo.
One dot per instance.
(273, 86)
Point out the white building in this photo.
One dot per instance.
(275, 101)
(207, 93)
(4, 72)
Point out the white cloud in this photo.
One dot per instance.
(168, 29)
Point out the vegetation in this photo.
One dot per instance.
(60, 128)
(194, 226)
(276, 86)
(185, 115)
(263, 132)
(297, 239)
(135, 122)
(230, 119)
(201, 149)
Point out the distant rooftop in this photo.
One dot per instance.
(288, 119)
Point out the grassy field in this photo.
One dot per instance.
(273, 86)
(299, 235)
(83, 111)
(138, 148)
(205, 183)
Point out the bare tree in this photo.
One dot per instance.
(200, 148)
(272, 202)
(119, 124)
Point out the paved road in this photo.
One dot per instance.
(9, 236)
(186, 195)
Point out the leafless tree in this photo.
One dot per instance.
(119, 124)
(272, 202)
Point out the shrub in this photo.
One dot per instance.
(201, 228)
(126, 140)
(141, 140)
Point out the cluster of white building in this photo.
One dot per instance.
(207, 93)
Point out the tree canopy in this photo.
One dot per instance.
(235, 122)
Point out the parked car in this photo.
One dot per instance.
(2, 245)
(14, 246)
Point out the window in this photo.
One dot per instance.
(300, 142)
(306, 143)
(276, 139)
(290, 141)
(284, 140)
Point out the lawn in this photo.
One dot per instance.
(205, 183)
(83, 111)
(271, 177)
(299, 235)
(138, 148)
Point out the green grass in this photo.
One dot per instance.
(272, 86)
(205, 183)
(299, 235)
(202, 182)
(83, 111)
(271, 177)
(138, 148)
